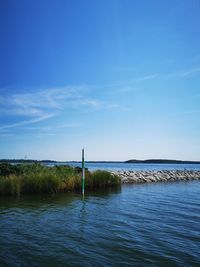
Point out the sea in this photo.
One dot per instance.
(155, 224)
(130, 166)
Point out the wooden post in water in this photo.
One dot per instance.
(83, 173)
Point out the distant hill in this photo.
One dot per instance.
(163, 161)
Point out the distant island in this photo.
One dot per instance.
(162, 161)
(147, 161)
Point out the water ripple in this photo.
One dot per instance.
(144, 225)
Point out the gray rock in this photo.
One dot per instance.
(157, 176)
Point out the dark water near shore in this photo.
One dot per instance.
(134, 166)
(137, 225)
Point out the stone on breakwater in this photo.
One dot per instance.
(132, 177)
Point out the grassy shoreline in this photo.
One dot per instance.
(21, 179)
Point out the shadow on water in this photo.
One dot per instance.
(61, 200)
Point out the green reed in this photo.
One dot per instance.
(36, 178)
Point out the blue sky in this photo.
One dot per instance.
(121, 78)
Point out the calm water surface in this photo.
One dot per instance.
(137, 225)
(133, 166)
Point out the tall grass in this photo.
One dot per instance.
(36, 178)
(101, 179)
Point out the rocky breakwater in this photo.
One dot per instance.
(131, 177)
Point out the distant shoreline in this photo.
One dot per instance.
(162, 161)
(148, 161)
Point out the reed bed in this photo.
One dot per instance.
(20, 179)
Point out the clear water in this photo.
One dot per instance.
(137, 225)
(134, 166)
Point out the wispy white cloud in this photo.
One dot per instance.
(27, 122)
(148, 77)
(191, 72)
(44, 104)
(72, 125)
(36, 131)
(49, 128)
(129, 82)
(90, 102)
(44, 101)
(182, 73)
(39, 102)
(58, 127)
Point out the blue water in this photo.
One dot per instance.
(133, 166)
(136, 225)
